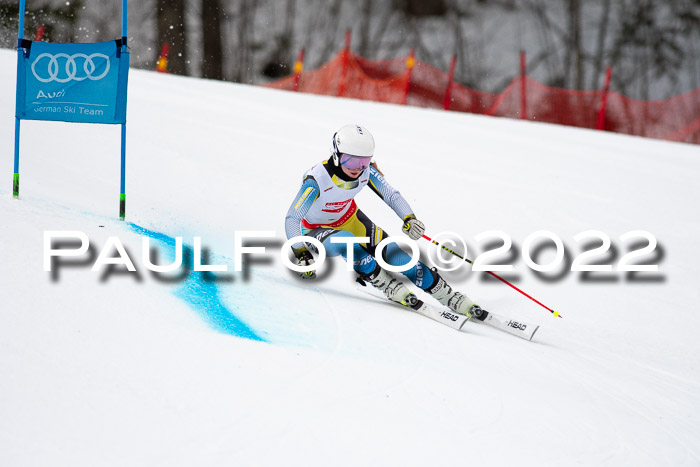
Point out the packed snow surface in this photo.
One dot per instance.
(111, 367)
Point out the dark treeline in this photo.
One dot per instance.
(653, 46)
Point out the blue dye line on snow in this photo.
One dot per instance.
(202, 295)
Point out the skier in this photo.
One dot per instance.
(325, 208)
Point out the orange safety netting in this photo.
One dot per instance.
(405, 81)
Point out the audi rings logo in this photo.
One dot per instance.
(63, 67)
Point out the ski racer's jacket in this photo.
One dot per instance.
(326, 198)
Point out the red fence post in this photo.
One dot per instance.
(410, 61)
(604, 100)
(298, 68)
(39, 33)
(450, 80)
(523, 88)
(162, 63)
(345, 59)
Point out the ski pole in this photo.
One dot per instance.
(555, 313)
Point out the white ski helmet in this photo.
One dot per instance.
(354, 140)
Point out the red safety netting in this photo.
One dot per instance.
(409, 81)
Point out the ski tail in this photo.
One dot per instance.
(515, 327)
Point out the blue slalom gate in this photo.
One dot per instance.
(72, 82)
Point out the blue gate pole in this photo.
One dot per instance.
(20, 36)
(15, 179)
(124, 20)
(122, 194)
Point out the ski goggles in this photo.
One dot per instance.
(354, 162)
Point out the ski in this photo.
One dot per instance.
(456, 321)
(515, 327)
(446, 317)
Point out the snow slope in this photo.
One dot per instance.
(117, 368)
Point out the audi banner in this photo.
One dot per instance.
(83, 83)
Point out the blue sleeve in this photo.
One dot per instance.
(388, 194)
(308, 193)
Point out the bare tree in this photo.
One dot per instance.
(550, 36)
(575, 54)
(171, 30)
(599, 56)
(278, 63)
(330, 30)
(212, 60)
(244, 44)
(649, 45)
(366, 17)
(60, 21)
